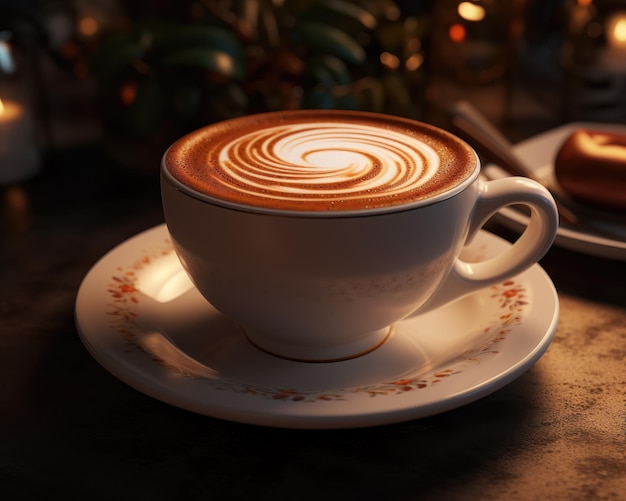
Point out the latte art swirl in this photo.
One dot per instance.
(320, 161)
(326, 162)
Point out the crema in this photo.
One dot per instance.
(320, 161)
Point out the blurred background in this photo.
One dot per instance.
(130, 77)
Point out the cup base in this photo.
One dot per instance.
(320, 354)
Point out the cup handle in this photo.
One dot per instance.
(464, 277)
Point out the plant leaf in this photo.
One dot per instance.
(328, 69)
(354, 11)
(332, 41)
(270, 24)
(214, 60)
(197, 36)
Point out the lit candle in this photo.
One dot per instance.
(613, 57)
(19, 158)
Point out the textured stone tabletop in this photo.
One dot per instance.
(571, 443)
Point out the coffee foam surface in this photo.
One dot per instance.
(320, 160)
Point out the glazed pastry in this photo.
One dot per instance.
(591, 167)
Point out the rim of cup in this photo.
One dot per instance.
(361, 212)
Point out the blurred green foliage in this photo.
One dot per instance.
(214, 59)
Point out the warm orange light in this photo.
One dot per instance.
(10, 111)
(16, 209)
(88, 26)
(457, 33)
(620, 30)
(414, 62)
(616, 30)
(585, 3)
(471, 11)
(389, 60)
(128, 92)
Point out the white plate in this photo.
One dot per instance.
(539, 153)
(140, 317)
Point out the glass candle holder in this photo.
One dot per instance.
(594, 58)
(19, 142)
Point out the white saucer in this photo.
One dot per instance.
(140, 317)
(539, 153)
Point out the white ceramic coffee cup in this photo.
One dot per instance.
(326, 286)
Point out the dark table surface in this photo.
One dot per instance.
(68, 427)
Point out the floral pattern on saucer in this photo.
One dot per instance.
(124, 297)
(124, 294)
